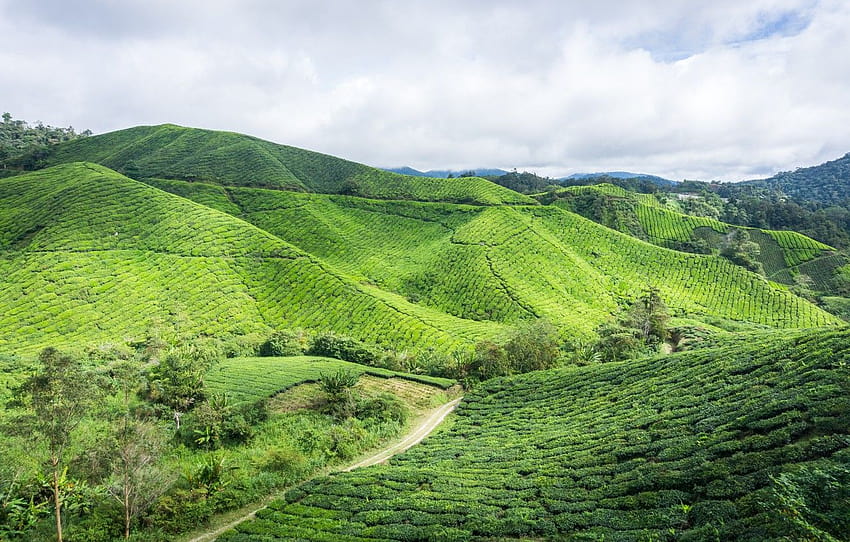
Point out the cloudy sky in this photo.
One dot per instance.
(715, 89)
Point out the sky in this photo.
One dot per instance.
(685, 89)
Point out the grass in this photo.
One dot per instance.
(692, 446)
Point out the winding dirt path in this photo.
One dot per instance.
(416, 436)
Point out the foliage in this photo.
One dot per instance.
(226, 158)
(285, 342)
(18, 137)
(740, 250)
(59, 394)
(345, 348)
(339, 393)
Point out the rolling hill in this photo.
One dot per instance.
(88, 255)
(174, 152)
(747, 441)
(504, 263)
(782, 253)
(827, 183)
(80, 240)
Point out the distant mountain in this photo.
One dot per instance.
(661, 181)
(827, 183)
(444, 173)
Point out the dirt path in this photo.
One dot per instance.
(424, 429)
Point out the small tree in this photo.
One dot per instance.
(59, 394)
(533, 347)
(339, 392)
(648, 314)
(137, 481)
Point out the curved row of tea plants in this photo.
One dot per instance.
(749, 441)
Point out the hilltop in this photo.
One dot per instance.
(827, 183)
(174, 152)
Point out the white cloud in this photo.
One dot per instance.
(726, 90)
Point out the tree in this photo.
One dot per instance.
(137, 481)
(178, 380)
(739, 249)
(339, 392)
(533, 347)
(648, 315)
(59, 394)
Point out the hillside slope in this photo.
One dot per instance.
(175, 152)
(748, 441)
(504, 263)
(827, 183)
(89, 255)
(642, 216)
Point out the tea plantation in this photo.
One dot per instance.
(251, 379)
(642, 216)
(175, 152)
(749, 441)
(506, 263)
(88, 256)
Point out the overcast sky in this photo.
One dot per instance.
(719, 89)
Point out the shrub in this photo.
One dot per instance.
(285, 342)
(344, 348)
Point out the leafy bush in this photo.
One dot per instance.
(345, 348)
(285, 342)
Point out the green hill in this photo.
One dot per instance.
(827, 183)
(88, 255)
(747, 441)
(504, 263)
(642, 216)
(174, 152)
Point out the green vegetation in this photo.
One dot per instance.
(747, 441)
(89, 255)
(17, 137)
(115, 463)
(249, 379)
(644, 217)
(226, 158)
(505, 264)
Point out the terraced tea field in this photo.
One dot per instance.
(90, 256)
(504, 264)
(687, 447)
(780, 250)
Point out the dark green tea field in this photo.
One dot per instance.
(743, 442)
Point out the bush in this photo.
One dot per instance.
(344, 348)
(383, 408)
(285, 342)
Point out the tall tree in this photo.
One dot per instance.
(59, 395)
